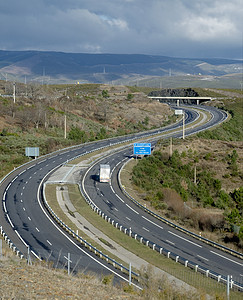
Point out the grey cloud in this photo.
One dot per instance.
(169, 27)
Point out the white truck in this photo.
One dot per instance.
(105, 171)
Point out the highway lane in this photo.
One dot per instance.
(25, 221)
(35, 229)
(112, 202)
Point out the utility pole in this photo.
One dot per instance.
(195, 174)
(14, 92)
(171, 149)
(65, 127)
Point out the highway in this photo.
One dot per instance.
(29, 225)
(111, 200)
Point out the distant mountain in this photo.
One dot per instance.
(103, 68)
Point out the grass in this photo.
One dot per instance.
(194, 279)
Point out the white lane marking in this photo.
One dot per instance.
(227, 258)
(115, 209)
(202, 257)
(20, 237)
(71, 241)
(120, 198)
(112, 188)
(185, 239)
(8, 187)
(37, 229)
(22, 172)
(170, 242)
(23, 208)
(4, 195)
(30, 177)
(14, 179)
(145, 229)
(152, 222)
(241, 274)
(29, 218)
(35, 173)
(10, 221)
(128, 219)
(30, 167)
(21, 200)
(21, 194)
(23, 187)
(49, 242)
(36, 255)
(132, 209)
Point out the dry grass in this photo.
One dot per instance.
(19, 281)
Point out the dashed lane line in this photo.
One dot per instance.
(184, 239)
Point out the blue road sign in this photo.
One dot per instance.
(142, 148)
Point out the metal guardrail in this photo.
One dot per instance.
(216, 245)
(10, 243)
(186, 263)
(83, 241)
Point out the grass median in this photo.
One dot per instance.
(203, 284)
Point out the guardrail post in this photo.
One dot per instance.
(186, 263)
(121, 228)
(160, 250)
(125, 230)
(168, 254)
(112, 222)
(116, 225)
(177, 258)
(130, 232)
(147, 243)
(141, 239)
(121, 268)
(219, 278)
(231, 282)
(135, 236)
(207, 272)
(154, 246)
(196, 267)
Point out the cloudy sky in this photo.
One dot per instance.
(179, 28)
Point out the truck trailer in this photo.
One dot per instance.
(105, 171)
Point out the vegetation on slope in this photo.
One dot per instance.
(195, 187)
(92, 112)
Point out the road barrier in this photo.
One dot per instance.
(84, 242)
(10, 244)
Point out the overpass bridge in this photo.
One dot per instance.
(184, 100)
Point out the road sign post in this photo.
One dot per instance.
(181, 112)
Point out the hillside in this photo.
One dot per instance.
(92, 112)
(135, 69)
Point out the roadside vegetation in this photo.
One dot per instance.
(200, 189)
(92, 112)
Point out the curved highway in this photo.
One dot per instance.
(27, 223)
(111, 201)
